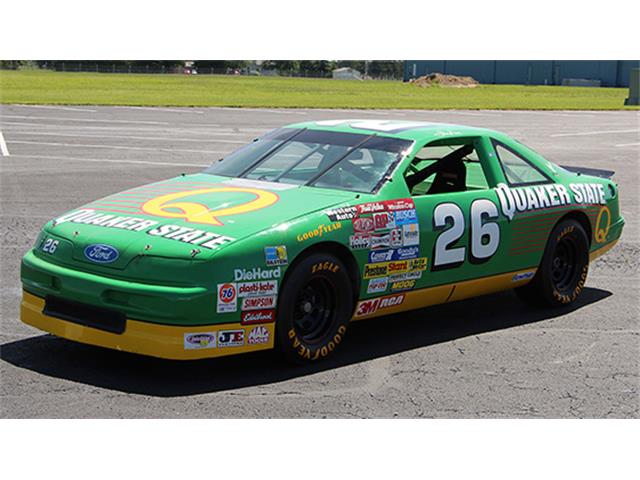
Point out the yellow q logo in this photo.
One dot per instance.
(199, 213)
(602, 232)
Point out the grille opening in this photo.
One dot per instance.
(87, 315)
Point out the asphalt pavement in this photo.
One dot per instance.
(490, 357)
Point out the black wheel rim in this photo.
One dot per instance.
(564, 266)
(314, 310)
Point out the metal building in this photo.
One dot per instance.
(609, 73)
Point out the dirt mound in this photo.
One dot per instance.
(443, 80)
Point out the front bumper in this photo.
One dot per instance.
(163, 341)
(148, 302)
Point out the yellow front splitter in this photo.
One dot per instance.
(155, 340)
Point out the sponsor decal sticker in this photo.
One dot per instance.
(602, 226)
(359, 242)
(402, 253)
(258, 335)
(378, 256)
(256, 273)
(101, 253)
(363, 225)
(368, 307)
(518, 277)
(404, 217)
(342, 213)
(258, 303)
(230, 338)
(318, 232)
(193, 212)
(398, 267)
(275, 255)
(227, 298)
(418, 264)
(401, 204)
(405, 253)
(410, 234)
(188, 235)
(403, 285)
(196, 341)
(372, 207)
(378, 285)
(413, 275)
(257, 289)
(588, 193)
(258, 316)
(396, 238)
(381, 241)
(373, 270)
(383, 221)
(524, 199)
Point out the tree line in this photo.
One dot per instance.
(374, 68)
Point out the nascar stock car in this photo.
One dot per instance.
(285, 241)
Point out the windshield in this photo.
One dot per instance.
(326, 159)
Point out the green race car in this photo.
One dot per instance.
(288, 239)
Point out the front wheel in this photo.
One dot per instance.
(563, 269)
(314, 308)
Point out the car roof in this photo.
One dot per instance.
(408, 130)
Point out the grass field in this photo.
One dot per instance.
(47, 87)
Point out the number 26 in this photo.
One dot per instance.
(485, 237)
(50, 245)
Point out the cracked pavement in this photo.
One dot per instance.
(489, 357)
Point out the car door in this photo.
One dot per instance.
(461, 232)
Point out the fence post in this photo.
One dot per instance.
(114, 68)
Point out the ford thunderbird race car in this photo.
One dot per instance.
(309, 227)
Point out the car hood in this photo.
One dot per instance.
(173, 218)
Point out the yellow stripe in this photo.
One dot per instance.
(151, 339)
(427, 297)
(602, 250)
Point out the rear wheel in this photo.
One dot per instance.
(563, 270)
(314, 308)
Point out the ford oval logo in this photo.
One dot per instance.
(101, 253)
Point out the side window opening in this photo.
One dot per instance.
(445, 167)
(517, 169)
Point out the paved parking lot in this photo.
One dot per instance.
(486, 357)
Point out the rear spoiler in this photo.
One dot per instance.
(595, 172)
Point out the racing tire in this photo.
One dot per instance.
(563, 269)
(314, 308)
